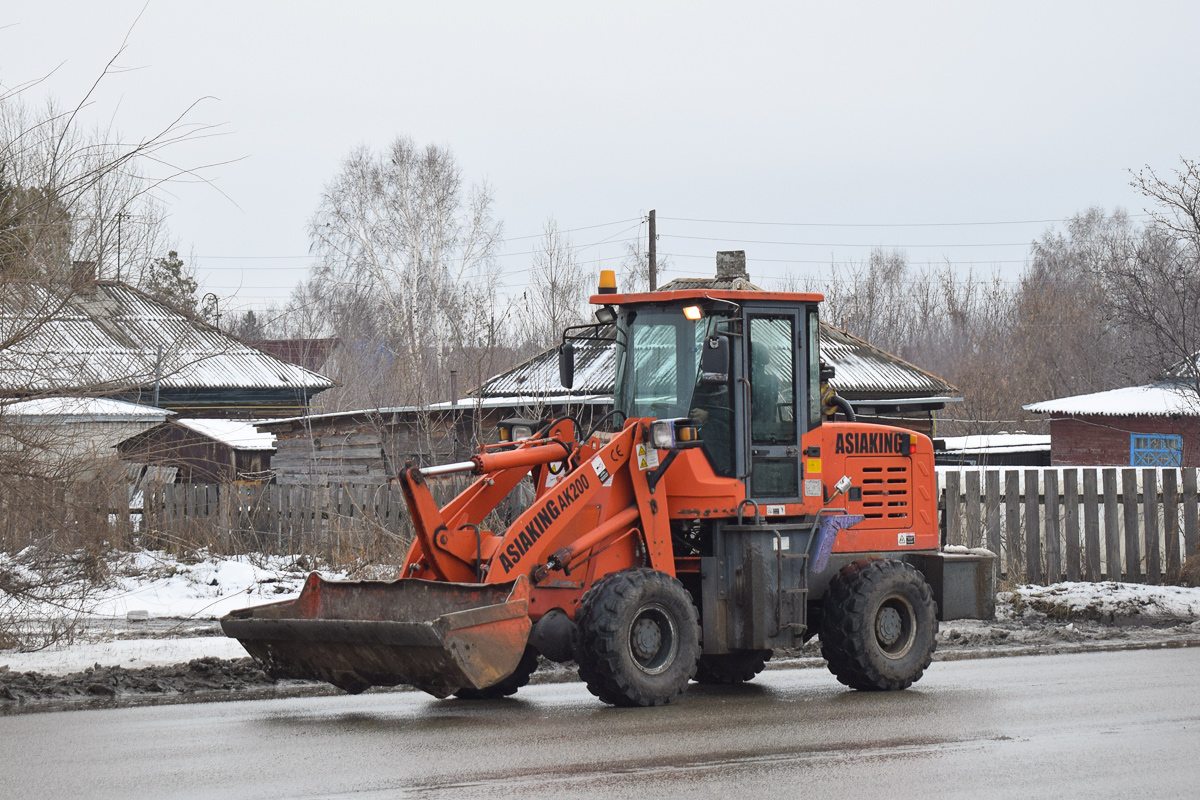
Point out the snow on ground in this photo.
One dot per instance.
(154, 584)
(1104, 601)
(149, 611)
(163, 586)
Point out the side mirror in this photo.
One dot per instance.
(714, 360)
(566, 365)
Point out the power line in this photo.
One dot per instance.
(839, 244)
(877, 224)
(837, 281)
(827, 261)
(506, 239)
(573, 230)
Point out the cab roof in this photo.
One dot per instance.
(683, 295)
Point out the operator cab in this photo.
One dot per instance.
(742, 366)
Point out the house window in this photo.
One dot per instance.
(1156, 450)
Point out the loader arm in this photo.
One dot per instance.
(592, 504)
(600, 497)
(448, 544)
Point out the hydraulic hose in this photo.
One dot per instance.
(845, 406)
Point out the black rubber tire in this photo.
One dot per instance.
(509, 686)
(639, 638)
(879, 625)
(728, 668)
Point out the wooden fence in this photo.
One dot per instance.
(1045, 524)
(1050, 524)
(351, 521)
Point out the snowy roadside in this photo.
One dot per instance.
(154, 610)
(152, 632)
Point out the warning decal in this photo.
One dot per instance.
(601, 470)
(647, 458)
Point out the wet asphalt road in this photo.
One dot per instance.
(1096, 725)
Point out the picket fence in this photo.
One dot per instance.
(1049, 524)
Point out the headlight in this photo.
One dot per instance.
(516, 429)
(662, 434)
(673, 434)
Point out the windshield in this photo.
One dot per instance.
(657, 362)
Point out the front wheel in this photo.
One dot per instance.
(879, 625)
(639, 638)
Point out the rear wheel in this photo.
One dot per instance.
(729, 668)
(639, 638)
(508, 686)
(879, 625)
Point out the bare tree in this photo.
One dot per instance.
(402, 242)
(1064, 338)
(956, 325)
(871, 299)
(557, 294)
(1153, 278)
(61, 189)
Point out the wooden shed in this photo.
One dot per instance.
(203, 450)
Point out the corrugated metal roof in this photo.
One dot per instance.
(861, 371)
(721, 284)
(595, 371)
(1154, 400)
(81, 409)
(110, 339)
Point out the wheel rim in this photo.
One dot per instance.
(895, 627)
(653, 639)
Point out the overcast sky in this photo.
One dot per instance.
(861, 117)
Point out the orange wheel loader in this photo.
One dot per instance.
(719, 517)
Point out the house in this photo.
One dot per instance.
(1156, 425)
(73, 433)
(111, 340)
(203, 450)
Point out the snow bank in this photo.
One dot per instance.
(210, 588)
(1105, 600)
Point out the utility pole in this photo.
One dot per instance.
(653, 254)
(120, 216)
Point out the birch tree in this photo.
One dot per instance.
(558, 290)
(399, 236)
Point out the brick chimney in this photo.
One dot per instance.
(731, 265)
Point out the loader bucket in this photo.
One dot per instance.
(439, 637)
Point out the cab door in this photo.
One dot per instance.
(775, 411)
